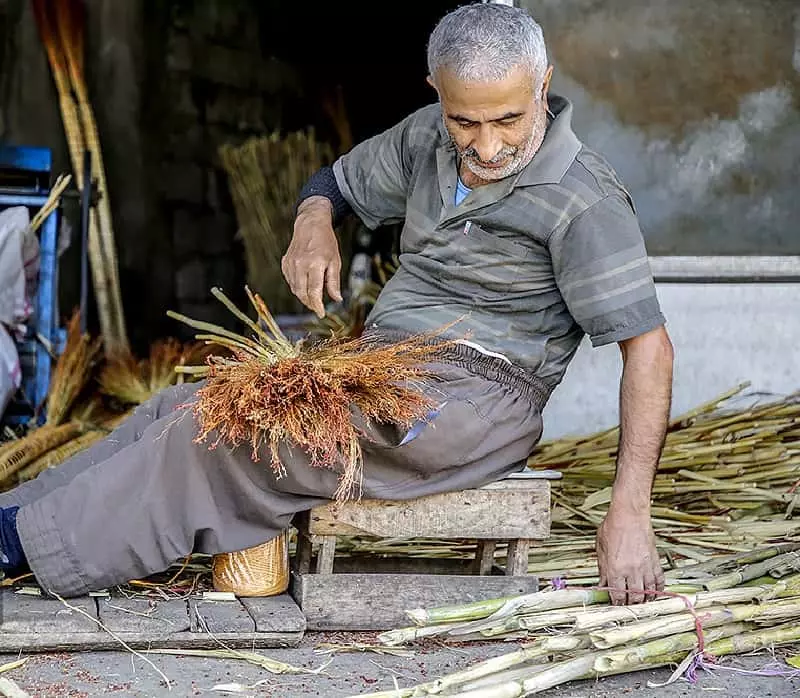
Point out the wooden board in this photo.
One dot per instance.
(41, 624)
(503, 510)
(379, 601)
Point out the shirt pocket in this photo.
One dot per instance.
(480, 264)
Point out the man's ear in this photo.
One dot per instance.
(546, 81)
(430, 81)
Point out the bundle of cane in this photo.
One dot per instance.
(271, 391)
(61, 27)
(731, 606)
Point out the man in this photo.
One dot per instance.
(510, 226)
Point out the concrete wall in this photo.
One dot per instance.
(697, 106)
(724, 334)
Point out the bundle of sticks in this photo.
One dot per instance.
(727, 483)
(732, 605)
(61, 27)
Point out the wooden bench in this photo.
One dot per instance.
(515, 511)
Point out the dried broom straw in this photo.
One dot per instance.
(70, 27)
(134, 381)
(59, 454)
(71, 372)
(273, 391)
(76, 145)
(33, 445)
(265, 176)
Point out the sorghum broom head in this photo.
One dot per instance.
(72, 371)
(271, 391)
(134, 381)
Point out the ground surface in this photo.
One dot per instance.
(122, 674)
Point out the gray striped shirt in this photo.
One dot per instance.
(527, 265)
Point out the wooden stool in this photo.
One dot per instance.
(515, 510)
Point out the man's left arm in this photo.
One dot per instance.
(601, 267)
(626, 552)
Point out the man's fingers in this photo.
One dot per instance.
(659, 579)
(316, 276)
(635, 589)
(332, 280)
(651, 586)
(617, 591)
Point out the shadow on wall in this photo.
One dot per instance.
(697, 106)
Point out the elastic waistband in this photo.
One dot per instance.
(491, 368)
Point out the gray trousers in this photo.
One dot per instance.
(148, 495)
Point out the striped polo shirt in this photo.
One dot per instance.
(526, 265)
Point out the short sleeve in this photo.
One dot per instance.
(603, 273)
(374, 176)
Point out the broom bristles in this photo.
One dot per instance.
(277, 392)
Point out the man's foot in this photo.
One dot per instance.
(11, 554)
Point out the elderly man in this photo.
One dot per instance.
(511, 227)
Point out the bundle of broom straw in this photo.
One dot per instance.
(265, 176)
(272, 391)
(730, 606)
(61, 27)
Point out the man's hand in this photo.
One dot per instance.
(312, 260)
(627, 557)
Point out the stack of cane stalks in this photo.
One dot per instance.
(727, 483)
(735, 604)
(61, 27)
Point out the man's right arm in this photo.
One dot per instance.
(372, 181)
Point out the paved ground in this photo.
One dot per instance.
(121, 674)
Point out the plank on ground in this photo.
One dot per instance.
(155, 618)
(44, 615)
(371, 601)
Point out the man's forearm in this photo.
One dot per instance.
(645, 398)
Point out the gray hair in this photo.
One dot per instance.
(484, 41)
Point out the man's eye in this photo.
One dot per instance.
(509, 121)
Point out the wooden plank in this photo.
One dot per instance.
(484, 557)
(155, 618)
(216, 617)
(402, 565)
(517, 558)
(379, 601)
(326, 554)
(275, 614)
(503, 510)
(41, 614)
(14, 643)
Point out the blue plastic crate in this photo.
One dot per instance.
(25, 175)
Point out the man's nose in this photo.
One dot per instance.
(487, 143)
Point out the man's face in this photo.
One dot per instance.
(496, 127)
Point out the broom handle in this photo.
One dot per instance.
(86, 202)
